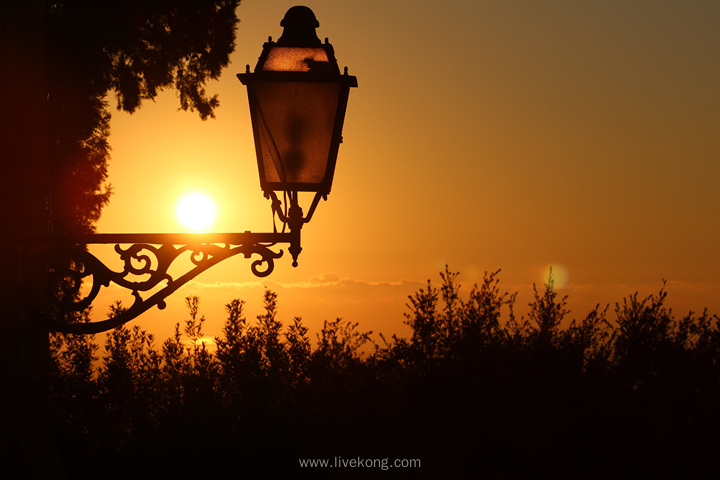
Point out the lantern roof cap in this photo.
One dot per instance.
(299, 28)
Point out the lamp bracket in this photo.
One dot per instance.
(146, 260)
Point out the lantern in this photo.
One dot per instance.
(297, 99)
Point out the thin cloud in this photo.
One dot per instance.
(221, 285)
(318, 281)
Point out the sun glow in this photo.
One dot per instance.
(196, 212)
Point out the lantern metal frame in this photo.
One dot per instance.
(68, 278)
(259, 123)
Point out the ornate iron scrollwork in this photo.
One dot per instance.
(76, 276)
(73, 277)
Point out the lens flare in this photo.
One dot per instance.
(560, 275)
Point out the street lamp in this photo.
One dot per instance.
(297, 99)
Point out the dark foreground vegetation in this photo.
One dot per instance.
(474, 393)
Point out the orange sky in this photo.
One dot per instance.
(484, 135)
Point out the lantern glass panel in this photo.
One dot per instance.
(295, 59)
(296, 122)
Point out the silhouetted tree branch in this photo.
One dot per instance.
(133, 49)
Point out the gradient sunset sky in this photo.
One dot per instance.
(484, 135)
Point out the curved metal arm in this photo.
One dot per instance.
(67, 266)
(148, 256)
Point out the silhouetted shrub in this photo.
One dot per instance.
(473, 390)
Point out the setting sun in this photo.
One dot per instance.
(196, 211)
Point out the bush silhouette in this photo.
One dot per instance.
(474, 389)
